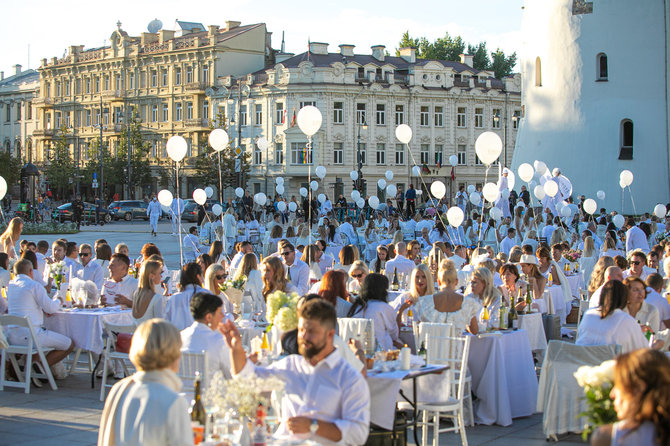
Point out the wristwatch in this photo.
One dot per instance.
(314, 426)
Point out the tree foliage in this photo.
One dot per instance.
(450, 48)
(60, 169)
(10, 168)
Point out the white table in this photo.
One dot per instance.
(85, 327)
(532, 323)
(576, 282)
(503, 377)
(558, 301)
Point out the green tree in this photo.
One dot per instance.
(480, 57)
(502, 65)
(93, 166)
(140, 167)
(10, 168)
(60, 169)
(405, 42)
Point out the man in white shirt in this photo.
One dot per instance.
(557, 255)
(348, 230)
(638, 260)
(154, 212)
(400, 262)
(26, 297)
(548, 230)
(635, 237)
(71, 259)
(242, 249)
(41, 253)
(410, 224)
(459, 257)
(120, 287)
(297, 271)
(655, 284)
(324, 397)
(325, 261)
(425, 223)
(89, 270)
(57, 255)
(508, 242)
(611, 273)
(191, 245)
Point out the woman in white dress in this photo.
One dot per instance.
(303, 235)
(215, 276)
(536, 280)
(481, 288)
(513, 289)
(643, 312)
(147, 302)
(103, 254)
(229, 229)
(640, 394)
(254, 286)
(11, 237)
(379, 263)
(421, 283)
(589, 258)
(357, 273)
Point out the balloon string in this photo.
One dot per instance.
(481, 218)
(437, 207)
(632, 200)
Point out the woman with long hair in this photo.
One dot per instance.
(274, 277)
(309, 256)
(303, 235)
(372, 304)
(249, 268)
(333, 288)
(482, 290)
(379, 263)
(414, 252)
(598, 273)
(147, 303)
(646, 314)
(11, 237)
(275, 235)
(177, 309)
(215, 251)
(348, 255)
(641, 395)
(512, 288)
(103, 254)
(215, 276)
(204, 260)
(589, 258)
(357, 273)
(421, 283)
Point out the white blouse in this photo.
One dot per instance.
(383, 316)
(460, 319)
(617, 328)
(647, 315)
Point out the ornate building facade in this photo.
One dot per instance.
(17, 117)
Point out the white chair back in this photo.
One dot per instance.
(426, 329)
(362, 330)
(112, 356)
(189, 364)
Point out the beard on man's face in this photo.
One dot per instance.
(308, 350)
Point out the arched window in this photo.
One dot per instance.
(626, 137)
(17, 149)
(601, 67)
(538, 72)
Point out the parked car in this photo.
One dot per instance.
(128, 210)
(64, 213)
(191, 209)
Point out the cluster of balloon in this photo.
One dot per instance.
(625, 178)
(176, 148)
(200, 196)
(280, 185)
(218, 139)
(455, 216)
(260, 198)
(164, 197)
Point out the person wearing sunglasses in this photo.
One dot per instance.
(215, 276)
(89, 270)
(297, 271)
(358, 271)
(638, 259)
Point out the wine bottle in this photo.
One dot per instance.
(529, 301)
(423, 353)
(512, 320)
(395, 285)
(410, 317)
(288, 275)
(502, 316)
(260, 433)
(197, 410)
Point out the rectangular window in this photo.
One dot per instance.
(381, 114)
(189, 110)
(154, 113)
(462, 155)
(131, 81)
(88, 85)
(438, 154)
(18, 111)
(106, 78)
(77, 86)
(47, 90)
(400, 154)
(306, 103)
(8, 114)
(439, 116)
(96, 116)
(461, 118)
(117, 82)
(259, 115)
(425, 153)
(58, 89)
(516, 118)
(56, 121)
(338, 112)
(164, 78)
(424, 116)
(258, 156)
(105, 116)
(29, 111)
(154, 78)
(496, 117)
(300, 154)
(88, 118)
(154, 150)
(177, 76)
(143, 79)
(189, 75)
(178, 116)
(47, 125)
(279, 113)
(338, 153)
(279, 153)
(479, 117)
(67, 119)
(67, 88)
(363, 159)
(97, 84)
(399, 114)
(205, 74)
(360, 114)
(243, 115)
(381, 153)
(205, 110)
(166, 115)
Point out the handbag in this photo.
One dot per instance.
(123, 341)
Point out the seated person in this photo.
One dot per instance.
(119, 289)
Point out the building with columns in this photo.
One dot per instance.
(17, 117)
(160, 77)
(362, 98)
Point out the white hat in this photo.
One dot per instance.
(528, 258)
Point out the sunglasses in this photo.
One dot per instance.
(84, 254)
(636, 262)
(284, 254)
(357, 276)
(220, 277)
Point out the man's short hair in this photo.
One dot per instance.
(243, 244)
(59, 244)
(655, 281)
(510, 231)
(283, 243)
(557, 246)
(203, 303)
(193, 230)
(630, 221)
(638, 253)
(122, 257)
(319, 310)
(43, 245)
(85, 246)
(29, 244)
(70, 247)
(23, 266)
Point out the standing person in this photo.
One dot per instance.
(176, 208)
(11, 236)
(77, 210)
(461, 198)
(229, 230)
(410, 197)
(400, 201)
(247, 204)
(154, 211)
(342, 206)
(191, 244)
(635, 237)
(525, 196)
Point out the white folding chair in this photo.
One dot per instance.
(30, 349)
(452, 351)
(85, 366)
(112, 357)
(189, 364)
(362, 330)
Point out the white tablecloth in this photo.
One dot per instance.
(558, 301)
(576, 282)
(85, 327)
(503, 377)
(532, 323)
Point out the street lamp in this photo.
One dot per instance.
(359, 155)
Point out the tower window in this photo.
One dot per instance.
(601, 67)
(626, 149)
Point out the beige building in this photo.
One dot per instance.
(362, 98)
(161, 76)
(17, 117)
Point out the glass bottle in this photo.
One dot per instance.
(529, 301)
(260, 433)
(395, 285)
(197, 412)
(423, 353)
(512, 318)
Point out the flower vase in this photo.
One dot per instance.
(245, 432)
(275, 340)
(235, 297)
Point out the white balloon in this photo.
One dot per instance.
(419, 192)
(261, 198)
(391, 190)
(164, 197)
(618, 220)
(314, 185)
(199, 196)
(218, 139)
(355, 195)
(626, 177)
(279, 180)
(590, 206)
(505, 194)
(353, 175)
(453, 160)
(262, 143)
(303, 191)
(488, 147)
(526, 172)
(320, 172)
(280, 189)
(566, 211)
(416, 171)
(360, 203)
(600, 194)
(239, 192)
(176, 148)
(475, 198)
(217, 209)
(438, 189)
(381, 183)
(455, 216)
(540, 167)
(209, 191)
(551, 188)
(471, 188)
(373, 201)
(281, 206)
(388, 175)
(321, 198)
(292, 207)
(309, 120)
(490, 192)
(622, 183)
(539, 192)
(495, 213)
(404, 133)
(3, 188)
(660, 211)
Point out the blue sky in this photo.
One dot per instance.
(49, 27)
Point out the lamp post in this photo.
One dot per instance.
(359, 155)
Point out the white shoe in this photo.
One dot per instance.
(59, 371)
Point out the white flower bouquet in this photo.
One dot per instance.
(57, 272)
(243, 394)
(233, 290)
(282, 310)
(597, 382)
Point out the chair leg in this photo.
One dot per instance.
(461, 424)
(471, 412)
(77, 352)
(104, 380)
(436, 428)
(2, 369)
(424, 427)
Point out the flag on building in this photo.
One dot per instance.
(453, 175)
(283, 116)
(293, 119)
